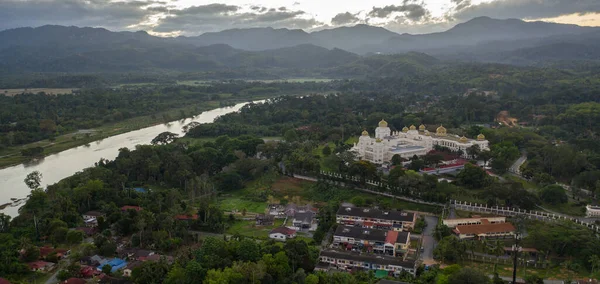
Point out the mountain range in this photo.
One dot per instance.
(344, 50)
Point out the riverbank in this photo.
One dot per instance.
(12, 156)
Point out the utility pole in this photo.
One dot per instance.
(516, 250)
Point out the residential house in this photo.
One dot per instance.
(305, 220)
(351, 261)
(40, 266)
(388, 242)
(93, 260)
(92, 215)
(376, 218)
(475, 220)
(60, 253)
(129, 207)
(485, 230)
(276, 209)
(282, 234)
(115, 264)
(135, 254)
(291, 209)
(264, 220)
(88, 271)
(129, 268)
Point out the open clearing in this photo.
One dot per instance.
(47, 91)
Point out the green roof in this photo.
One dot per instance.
(381, 273)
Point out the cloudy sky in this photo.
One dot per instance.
(193, 17)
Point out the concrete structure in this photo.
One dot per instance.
(376, 218)
(475, 220)
(115, 264)
(350, 261)
(90, 218)
(410, 142)
(305, 220)
(282, 234)
(485, 230)
(592, 211)
(389, 242)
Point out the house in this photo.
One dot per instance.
(485, 230)
(592, 211)
(135, 254)
(282, 234)
(305, 220)
(60, 253)
(388, 242)
(349, 261)
(88, 271)
(74, 280)
(130, 267)
(94, 260)
(291, 209)
(183, 217)
(475, 220)
(40, 266)
(264, 219)
(129, 207)
(376, 218)
(276, 209)
(92, 215)
(115, 264)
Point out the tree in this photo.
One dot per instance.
(326, 151)
(248, 250)
(396, 160)
(31, 253)
(164, 138)
(63, 275)
(468, 276)
(74, 237)
(474, 151)
(364, 169)
(33, 151)
(33, 180)
(533, 279)
(358, 201)
(106, 269)
(554, 194)
(228, 181)
(150, 272)
(594, 262)
(485, 156)
(449, 249)
(290, 136)
(473, 177)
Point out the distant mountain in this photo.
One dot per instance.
(352, 38)
(253, 39)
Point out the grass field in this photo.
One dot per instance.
(48, 91)
(250, 229)
(238, 203)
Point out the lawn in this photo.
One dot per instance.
(569, 208)
(250, 229)
(238, 203)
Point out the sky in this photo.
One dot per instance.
(194, 17)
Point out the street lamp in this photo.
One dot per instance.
(516, 249)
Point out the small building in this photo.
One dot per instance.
(135, 254)
(92, 214)
(60, 253)
(130, 267)
(592, 211)
(384, 242)
(276, 209)
(115, 264)
(486, 230)
(74, 280)
(40, 265)
(304, 220)
(282, 234)
(264, 219)
(88, 271)
(130, 207)
(376, 218)
(475, 220)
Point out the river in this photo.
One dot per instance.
(66, 163)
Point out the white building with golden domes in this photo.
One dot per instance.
(409, 142)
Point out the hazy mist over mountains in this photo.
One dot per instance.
(482, 39)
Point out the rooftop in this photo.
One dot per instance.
(376, 213)
(283, 230)
(381, 260)
(485, 228)
(93, 213)
(405, 149)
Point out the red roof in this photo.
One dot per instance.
(391, 237)
(187, 217)
(37, 264)
(485, 228)
(127, 207)
(75, 281)
(368, 224)
(4, 281)
(283, 230)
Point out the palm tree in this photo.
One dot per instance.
(595, 262)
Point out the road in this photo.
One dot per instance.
(429, 242)
(516, 166)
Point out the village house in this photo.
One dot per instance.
(389, 242)
(485, 230)
(475, 220)
(90, 218)
(349, 261)
(264, 219)
(305, 220)
(376, 218)
(135, 254)
(115, 264)
(282, 234)
(40, 265)
(130, 267)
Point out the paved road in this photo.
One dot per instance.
(429, 242)
(516, 166)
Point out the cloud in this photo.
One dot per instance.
(344, 18)
(411, 11)
(461, 4)
(527, 9)
(104, 13)
(199, 19)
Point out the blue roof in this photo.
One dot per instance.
(140, 189)
(115, 263)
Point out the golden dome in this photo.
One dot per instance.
(412, 127)
(422, 127)
(427, 133)
(480, 137)
(463, 139)
(405, 129)
(441, 131)
(378, 140)
(383, 123)
(365, 133)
